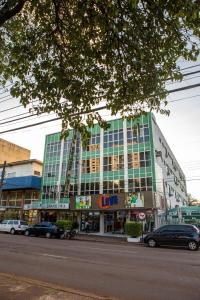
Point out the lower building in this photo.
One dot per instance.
(127, 172)
(184, 214)
(21, 186)
(10, 152)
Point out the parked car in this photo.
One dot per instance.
(13, 226)
(183, 235)
(44, 229)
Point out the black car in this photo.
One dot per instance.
(44, 229)
(182, 235)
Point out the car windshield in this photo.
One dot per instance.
(23, 223)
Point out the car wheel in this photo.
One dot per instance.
(152, 243)
(26, 233)
(192, 245)
(12, 231)
(48, 235)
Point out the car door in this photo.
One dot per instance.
(36, 229)
(164, 236)
(183, 235)
(9, 226)
(46, 228)
(23, 225)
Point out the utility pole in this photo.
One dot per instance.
(165, 201)
(2, 180)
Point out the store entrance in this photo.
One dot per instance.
(90, 221)
(114, 221)
(49, 216)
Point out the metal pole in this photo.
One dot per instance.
(165, 201)
(2, 180)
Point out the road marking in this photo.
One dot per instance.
(81, 260)
(107, 250)
(56, 256)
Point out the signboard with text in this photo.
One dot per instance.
(107, 201)
(40, 205)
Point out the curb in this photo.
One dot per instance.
(54, 287)
(107, 240)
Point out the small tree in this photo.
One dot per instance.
(64, 224)
(133, 229)
(13, 215)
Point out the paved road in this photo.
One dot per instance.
(120, 271)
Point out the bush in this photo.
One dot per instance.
(133, 229)
(11, 215)
(64, 224)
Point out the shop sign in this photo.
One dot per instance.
(141, 216)
(83, 202)
(46, 206)
(134, 200)
(106, 201)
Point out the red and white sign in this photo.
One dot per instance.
(141, 215)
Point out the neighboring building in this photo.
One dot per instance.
(10, 152)
(184, 214)
(21, 186)
(127, 172)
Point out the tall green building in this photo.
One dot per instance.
(127, 172)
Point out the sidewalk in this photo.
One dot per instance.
(106, 238)
(18, 288)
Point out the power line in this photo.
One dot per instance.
(181, 99)
(22, 118)
(5, 96)
(184, 80)
(190, 67)
(1, 88)
(97, 109)
(184, 88)
(16, 116)
(55, 119)
(21, 105)
(170, 91)
(186, 74)
(11, 98)
(29, 116)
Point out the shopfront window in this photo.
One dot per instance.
(90, 221)
(114, 221)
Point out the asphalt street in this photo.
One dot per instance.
(123, 271)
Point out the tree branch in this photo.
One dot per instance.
(8, 11)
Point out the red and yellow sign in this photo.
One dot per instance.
(106, 201)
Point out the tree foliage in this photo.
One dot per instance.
(72, 55)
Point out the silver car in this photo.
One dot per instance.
(13, 226)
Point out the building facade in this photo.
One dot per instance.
(10, 152)
(127, 172)
(21, 187)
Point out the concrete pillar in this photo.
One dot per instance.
(101, 222)
(128, 216)
(79, 220)
(101, 161)
(125, 157)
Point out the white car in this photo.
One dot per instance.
(13, 226)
